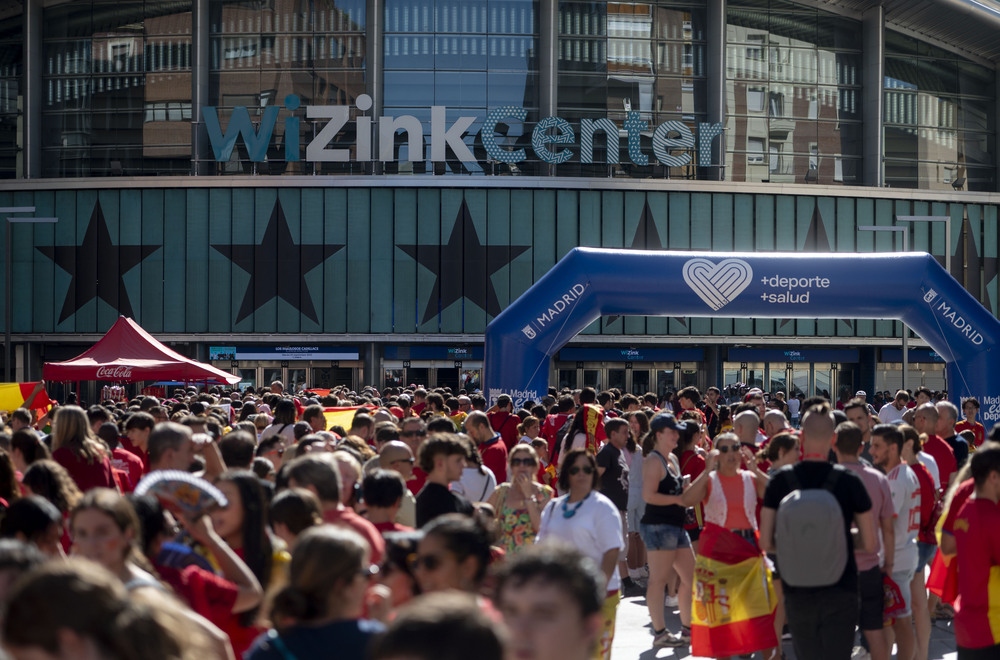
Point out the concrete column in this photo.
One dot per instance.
(716, 88)
(32, 104)
(202, 159)
(548, 63)
(872, 76)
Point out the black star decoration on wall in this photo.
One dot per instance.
(278, 267)
(456, 278)
(97, 267)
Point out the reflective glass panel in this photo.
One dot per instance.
(11, 71)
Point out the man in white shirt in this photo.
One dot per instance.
(891, 413)
(887, 444)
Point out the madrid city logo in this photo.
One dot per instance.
(717, 284)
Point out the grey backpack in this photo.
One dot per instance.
(809, 534)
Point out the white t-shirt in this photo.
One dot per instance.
(793, 406)
(930, 463)
(474, 485)
(905, 489)
(594, 528)
(888, 413)
(286, 431)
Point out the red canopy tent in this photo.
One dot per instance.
(128, 354)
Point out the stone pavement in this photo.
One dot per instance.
(634, 640)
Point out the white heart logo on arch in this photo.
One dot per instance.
(717, 284)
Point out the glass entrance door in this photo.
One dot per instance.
(640, 381)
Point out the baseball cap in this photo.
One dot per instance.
(665, 421)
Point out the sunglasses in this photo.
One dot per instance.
(514, 462)
(410, 434)
(371, 572)
(405, 460)
(725, 449)
(428, 562)
(577, 470)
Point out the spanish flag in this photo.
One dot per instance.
(734, 599)
(14, 395)
(343, 416)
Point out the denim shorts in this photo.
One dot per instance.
(663, 537)
(926, 552)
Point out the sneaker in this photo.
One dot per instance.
(686, 634)
(667, 639)
(670, 601)
(631, 589)
(860, 653)
(638, 573)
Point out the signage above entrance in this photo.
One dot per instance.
(672, 141)
(282, 353)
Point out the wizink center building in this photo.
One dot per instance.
(347, 191)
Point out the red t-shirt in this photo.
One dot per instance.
(141, 453)
(86, 475)
(417, 482)
(505, 424)
(128, 463)
(962, 494)
(208, 594)
(240, 636)
(977, 536)
(550, 428)
(944, 455)
(692, 463)
(347, 518)
(977, 429)
(494, 453)
(391, 526)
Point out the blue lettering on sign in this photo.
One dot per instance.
(331, 120)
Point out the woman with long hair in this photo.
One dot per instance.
(518, 503)
(453, 554)
(26, 448)
(662, 528)
(319, 610)
(477, 482)
(638, 422)
(283, 422)
(729, 495)
(10, 490)
(48, 479)
(242, 524)
(75, 447)
(590, 522)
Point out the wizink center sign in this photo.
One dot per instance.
(550, 138)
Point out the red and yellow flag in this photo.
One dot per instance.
(734, 599)
(13, 395)
(342, 416)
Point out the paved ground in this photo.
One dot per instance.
(634, 641)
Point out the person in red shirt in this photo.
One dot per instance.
(320, 475)
(382, 492)
(138, 426)
(504, 422)
(970, 409)
(555, 421)
(75, 448)
(926, 539)
(924, 420)
(413, 431)
(492, 448)
(977, 540)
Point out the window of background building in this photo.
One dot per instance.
(470, 56)
(793, 83)
(940, 130)
(647, 57)
(261, 52)
(11, 53)
(107, 68)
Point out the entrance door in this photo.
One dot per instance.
(417, 376)
(447, 378)
(616, 379)
(567, 378)
(326, 378)
(640, 381)
(592, 378)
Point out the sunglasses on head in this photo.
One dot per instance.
(575, 470)
(514, 462)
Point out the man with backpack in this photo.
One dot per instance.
(806, 519)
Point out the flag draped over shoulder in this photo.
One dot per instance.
(12, 395)
(343, 416)
(734, 599)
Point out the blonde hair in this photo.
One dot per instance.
(72, 430)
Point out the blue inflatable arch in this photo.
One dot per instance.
(589, 283)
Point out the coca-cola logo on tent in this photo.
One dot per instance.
(114, 373)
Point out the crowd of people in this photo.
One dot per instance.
(427, 524)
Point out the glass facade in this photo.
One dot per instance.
(261, 53)
(793, 94)
(11, 69)
(468, 55)
(116, 88)
(645, 57)
(116, 81)
(940, 124)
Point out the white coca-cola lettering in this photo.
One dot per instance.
(114, 373)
